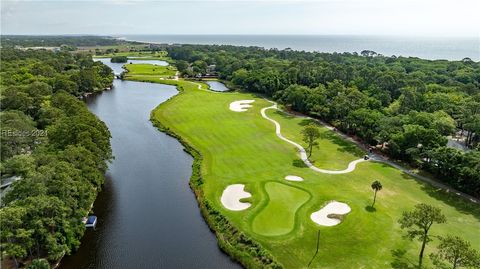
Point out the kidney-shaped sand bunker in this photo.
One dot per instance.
(330, 215)
(232, 195)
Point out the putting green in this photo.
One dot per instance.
(243, 148)
(283, 203)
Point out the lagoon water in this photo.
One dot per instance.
(118, 67)
(424, 47)
(217, 86)
(147, 215)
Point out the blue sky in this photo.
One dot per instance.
(116, 17)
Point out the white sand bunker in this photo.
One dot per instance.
(330, 214)
(241, 106)
(231, 197)
(293, 178)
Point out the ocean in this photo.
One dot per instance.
(432, 48)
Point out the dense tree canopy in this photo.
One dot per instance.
(405, 106)
(57, 41)
(55, 145)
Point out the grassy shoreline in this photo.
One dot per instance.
(291, 245)
(229, 238)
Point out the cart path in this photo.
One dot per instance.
(373, 157)
(303, 153)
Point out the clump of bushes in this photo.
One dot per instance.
(119, 59)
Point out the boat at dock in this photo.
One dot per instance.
(91, 222)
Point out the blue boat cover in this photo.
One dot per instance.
(91, 219)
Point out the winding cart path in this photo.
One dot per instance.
(352, 165)
(303, 152)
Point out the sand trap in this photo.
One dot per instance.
(231, 197)
(241, 106)
(293, 178)
(327, 215)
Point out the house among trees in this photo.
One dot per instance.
(211, 68)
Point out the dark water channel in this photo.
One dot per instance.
(148, 216)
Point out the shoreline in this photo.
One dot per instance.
(385, 40)
(226, 238)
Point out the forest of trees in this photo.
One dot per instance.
(57, 41)
(55, 145)
(405, 106)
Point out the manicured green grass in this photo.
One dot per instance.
(283, 203)
(332, 153)
(149, 70)
(243, 148)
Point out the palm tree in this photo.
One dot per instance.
(376, 186)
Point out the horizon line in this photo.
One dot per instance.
(117, 35)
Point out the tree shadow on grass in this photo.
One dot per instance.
(283, 114)
(299, 163)
(460, 204)
(400, 261)
(305, 122)
(344, 145)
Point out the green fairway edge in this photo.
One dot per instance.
(232, 240)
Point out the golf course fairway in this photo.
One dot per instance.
(283, 203)
(242, 148)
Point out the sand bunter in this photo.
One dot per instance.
(241, 105)
(331, 214)
(232, 195)
(293, 178)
